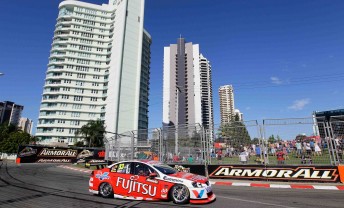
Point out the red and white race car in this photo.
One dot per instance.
(150, 180)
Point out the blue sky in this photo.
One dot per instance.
(285, 59)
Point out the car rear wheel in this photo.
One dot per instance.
(180, 194)
(105, 190)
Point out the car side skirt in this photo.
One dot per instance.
(135, 198)
(93, 191)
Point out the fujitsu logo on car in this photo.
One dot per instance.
(134, 186)
(58, 152)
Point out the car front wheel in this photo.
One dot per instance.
(180, 194)
(105, 190)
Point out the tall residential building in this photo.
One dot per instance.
(226, 95)
(25, 125)
(98, 69)
(187, 86)
(10, 112)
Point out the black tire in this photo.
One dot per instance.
(105, 190)
(180, 194)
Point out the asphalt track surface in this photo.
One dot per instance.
(48, 185)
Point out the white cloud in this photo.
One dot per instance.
(248, 108)
(276, 80)
(299, 104)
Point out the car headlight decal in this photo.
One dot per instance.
(196, 184)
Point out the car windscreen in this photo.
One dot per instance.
(165, 169)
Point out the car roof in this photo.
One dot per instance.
(149, 162)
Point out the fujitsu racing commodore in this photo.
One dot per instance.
(150, 180)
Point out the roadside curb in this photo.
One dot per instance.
(248, 184)
(280, 186)
(77, 169)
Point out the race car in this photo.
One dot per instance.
(150, 180)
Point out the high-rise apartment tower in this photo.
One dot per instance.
(25, 125)
(98, 69)
(187, 86)
(226, 95)
(10, 112)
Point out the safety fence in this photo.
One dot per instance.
(184, 143)
(291, 141)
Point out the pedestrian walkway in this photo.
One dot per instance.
(260, 184)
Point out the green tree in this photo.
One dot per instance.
(272, 139)
(255, 141)
(236, 133)
(11, 137)
(92, 133)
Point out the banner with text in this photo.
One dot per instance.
(45, 154)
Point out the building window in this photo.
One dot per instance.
(75, 114)
(78, 98)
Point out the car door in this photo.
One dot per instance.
(121, 174)
(145, 186)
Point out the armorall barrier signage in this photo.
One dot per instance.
(45, 154)
(307, 173)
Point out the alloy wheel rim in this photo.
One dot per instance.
(180, 193)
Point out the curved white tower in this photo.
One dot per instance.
(94, 69)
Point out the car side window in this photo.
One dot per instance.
(142, 169)
(123, 168)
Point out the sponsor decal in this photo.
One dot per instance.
(152, 180)
(209, 189)
(57, 153)
(299, 173)
(97, 161)
(27, 151)
(101, 154)
(180, 168)
(164, 192)
(198, 177)
(84, 154)
(103, 176)
(173, 180)
(198, 194)
(135, 186)
(81, 161)
(42, 160)
(114, 169)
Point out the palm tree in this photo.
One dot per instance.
(93, 133)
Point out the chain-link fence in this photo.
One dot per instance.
(335, 139)
(170, 144)
(292, 141)
(183, 143)
(235, 143)
(295, 141)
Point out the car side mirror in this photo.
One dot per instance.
(152, 175)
